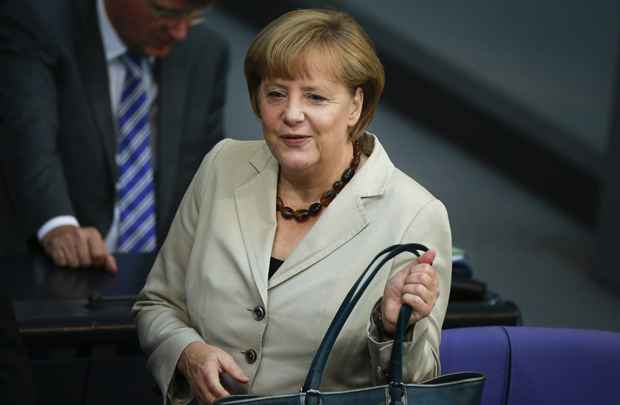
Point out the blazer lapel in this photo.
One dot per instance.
(342, 221)
(93, 67)
(171, 76)
(256, 206)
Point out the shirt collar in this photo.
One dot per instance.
(113, 45)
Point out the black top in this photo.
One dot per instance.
(274, 265)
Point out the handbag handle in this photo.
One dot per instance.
(315, 373)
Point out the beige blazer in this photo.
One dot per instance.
(212, 272)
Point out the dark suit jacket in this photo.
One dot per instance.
(57, 124)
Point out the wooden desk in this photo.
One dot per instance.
(83, 352)
(65, 307)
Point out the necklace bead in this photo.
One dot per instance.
(327, 197)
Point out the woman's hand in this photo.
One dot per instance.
(202, 364)
(416, 285)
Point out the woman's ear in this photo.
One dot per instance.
(356, 106)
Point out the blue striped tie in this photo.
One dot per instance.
(135, 186)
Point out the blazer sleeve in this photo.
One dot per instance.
(161, 310)
(430, 227)
(29, 120)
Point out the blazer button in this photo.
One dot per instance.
(259, 313)
(250, 356)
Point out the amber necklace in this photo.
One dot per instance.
(313, 210)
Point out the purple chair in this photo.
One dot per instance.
(528, 366)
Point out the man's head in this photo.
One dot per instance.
(152, 27)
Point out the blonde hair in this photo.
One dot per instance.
(282, 50)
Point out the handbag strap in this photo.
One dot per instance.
(315, 373)
(396, 359)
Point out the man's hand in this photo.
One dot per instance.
(202, 364)
(416, 285)
(73, 246)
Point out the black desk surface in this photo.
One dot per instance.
(55, 306)
(73, 304)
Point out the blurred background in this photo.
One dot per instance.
(506, 111)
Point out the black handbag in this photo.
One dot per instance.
(458, 388)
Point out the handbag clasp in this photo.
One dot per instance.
(313, 397)
(397, 393)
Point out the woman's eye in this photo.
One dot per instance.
(316, 98)
(275, 94)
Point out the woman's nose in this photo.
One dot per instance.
(293, 113)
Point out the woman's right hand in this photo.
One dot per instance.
(202, 364)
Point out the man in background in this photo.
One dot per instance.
(107, 108)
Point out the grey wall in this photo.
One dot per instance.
(555, 58)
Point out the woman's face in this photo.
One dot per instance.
(306, 121)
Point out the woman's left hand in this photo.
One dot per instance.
(417, 285)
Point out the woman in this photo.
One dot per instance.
(272, 234)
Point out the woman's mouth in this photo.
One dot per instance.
(294, 140)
